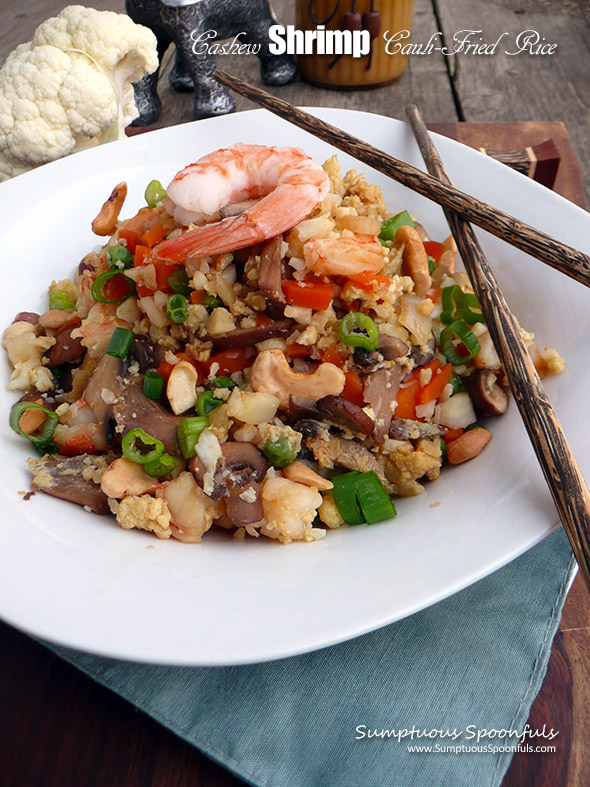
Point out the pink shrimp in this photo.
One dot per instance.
(286, 185)
(344, 256)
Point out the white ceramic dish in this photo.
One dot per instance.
(76, 579)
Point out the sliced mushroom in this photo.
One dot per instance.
(134, 409)
(104, 386)
(341, 412)
(421, 355)
(365, 360)
(391, 347)
(486, 392)
(248, 337)
(405, 429)
(310, 428)
(237, 479)
(31, 317)
(301, 408)
(270, 272)
(330, 450)
(141, 352)
(66, 349)
(64, 478)
(381, 389)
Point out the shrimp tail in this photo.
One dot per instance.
(227, 235)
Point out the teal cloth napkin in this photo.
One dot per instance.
(471, 663)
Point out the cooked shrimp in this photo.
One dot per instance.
(82, 438)
(286, 184)
(345, 256)
(97, 329)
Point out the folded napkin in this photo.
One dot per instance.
(470, 664)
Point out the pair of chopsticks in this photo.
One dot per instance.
(562, 474)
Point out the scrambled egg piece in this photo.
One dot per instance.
(145, 513)
(407, 464)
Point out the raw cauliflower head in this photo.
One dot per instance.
(71, 86)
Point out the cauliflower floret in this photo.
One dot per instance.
(25, 351)
(146, 513)
(71, 86)
(407, 464)
(289, 509)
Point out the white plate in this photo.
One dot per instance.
(77, 579)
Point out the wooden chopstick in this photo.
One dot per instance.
(534, 242)
(563, 476)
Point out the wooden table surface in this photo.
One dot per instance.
(56, 725)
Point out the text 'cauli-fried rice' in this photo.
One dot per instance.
(263, 348)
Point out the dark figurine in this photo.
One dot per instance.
(187, 23)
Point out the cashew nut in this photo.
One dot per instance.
(182, 387)
(124, 477)
(106, 221)
(54, 319)
(415, 259)
(468, 446)
(303, 474)
(271, 373)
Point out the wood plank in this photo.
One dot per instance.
(58, 727)
(524, 87)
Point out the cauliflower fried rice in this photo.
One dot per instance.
(236, 365)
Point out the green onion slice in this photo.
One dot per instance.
(41, 438)
(189, 432)
(207, 402)
(213, 302)
(391, 226)
(431, 264)
(457, 383)
(469, 316)
(119, 258)
(154, 193)
(443, 450)
(164, 465)
(359, 330)
(99, 283)
(280, 452)
(225, 381)
(374, 501)
(177, 308)
(120, 342)
(457, 305)
(458, 331)
(179, 281)
(141, 447)
(60, 299)
(344, 494)
(153, 383)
